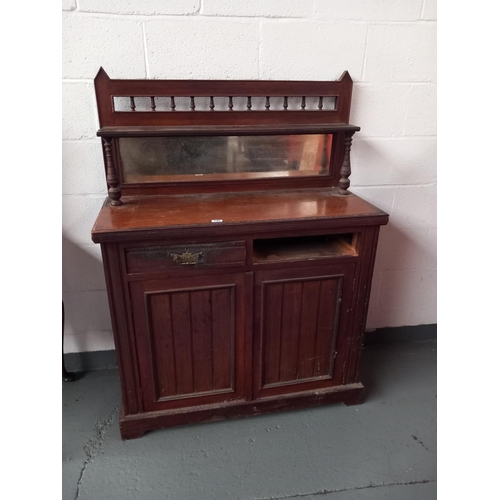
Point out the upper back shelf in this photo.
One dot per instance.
(150, 132)
(127, 106)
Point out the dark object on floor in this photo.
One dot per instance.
(66, 376)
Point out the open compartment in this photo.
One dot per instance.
(304, 247)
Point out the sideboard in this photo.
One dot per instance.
(238, 264)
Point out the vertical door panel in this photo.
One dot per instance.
(300, 314)
(190, 337)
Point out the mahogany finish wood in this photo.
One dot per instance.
(114, 190)
(299, 314)
(235, 297)
(141, 216)
(201, 130)
(189, 340)
(152, 122)
(107, 89)
(345, 171)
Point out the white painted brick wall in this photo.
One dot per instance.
(402, 160)
(68, 4)
(369, 10)
(146, 7)
(202, 48)
(257, 8)
(388, 46)
(401, 52)
(380, 108)
(79, 214)
(79, 119)
(421, 118)
(83, 169)
(296, 50)
(113, 43)
(429, 10)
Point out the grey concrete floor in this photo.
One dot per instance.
(382, 449)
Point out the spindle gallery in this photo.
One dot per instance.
(224, 107)
(238, 264)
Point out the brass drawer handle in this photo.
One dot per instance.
(187, 258)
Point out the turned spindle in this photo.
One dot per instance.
(132, 103)
(212, 105)
(193, 106)
(320, 103)
(230, 103)
(249, 103)
(114, 191)
(303, 103)
(153, 104)
(345, 171)
(268, 104)
(172, 103)
(285, 103)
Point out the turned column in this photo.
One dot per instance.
(345, 171)
(114, 191)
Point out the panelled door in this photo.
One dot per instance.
(299, 316)
(190, 339)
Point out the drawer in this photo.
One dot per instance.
(168, 257)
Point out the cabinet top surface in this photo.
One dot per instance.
(154, 213)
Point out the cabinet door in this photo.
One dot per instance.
(190, 339)
(302, 323)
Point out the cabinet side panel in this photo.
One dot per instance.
(124, 343)
(368, 252)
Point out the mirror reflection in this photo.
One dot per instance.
(168, 159)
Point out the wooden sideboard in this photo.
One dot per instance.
(236, 286)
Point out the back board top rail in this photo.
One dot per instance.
(312, 105)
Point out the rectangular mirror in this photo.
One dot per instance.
(177, 159)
